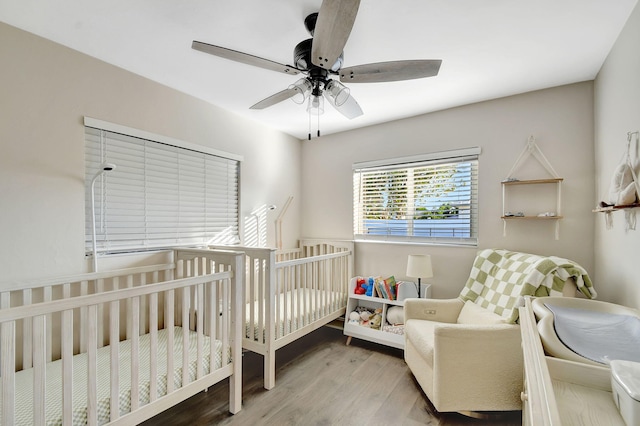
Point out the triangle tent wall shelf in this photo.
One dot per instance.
(510, 182)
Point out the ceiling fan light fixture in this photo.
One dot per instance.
(338, 92)
(315, 105)
(302, 88)
(320, 59)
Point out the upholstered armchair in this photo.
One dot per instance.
(466, 352)
(465, 358)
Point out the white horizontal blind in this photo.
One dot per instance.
(433, 200)
(159, 195)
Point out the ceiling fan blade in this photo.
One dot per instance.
(391, 71)
(335, 20)
(244, 58)
(276, 98)
(350, 108)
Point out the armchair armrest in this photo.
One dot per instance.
(486, 358)
(440, 310)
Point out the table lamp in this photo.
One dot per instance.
(419, 266)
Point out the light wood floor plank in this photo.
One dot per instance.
(321, 381)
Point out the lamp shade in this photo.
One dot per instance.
(419, 266)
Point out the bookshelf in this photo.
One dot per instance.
(371, 334)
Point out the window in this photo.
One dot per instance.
(428, 198)
(162, 192)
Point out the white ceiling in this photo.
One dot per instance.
(489, 48)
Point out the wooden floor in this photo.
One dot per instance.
(321, 381)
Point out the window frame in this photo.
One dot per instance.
(385, 232)
(195, 155)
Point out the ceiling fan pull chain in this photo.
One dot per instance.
(318, 125)
(309, 124)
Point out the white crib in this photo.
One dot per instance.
(71, 348)
(290, 293)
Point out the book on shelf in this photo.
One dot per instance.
(386, 288)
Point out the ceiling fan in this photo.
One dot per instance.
(320, 59)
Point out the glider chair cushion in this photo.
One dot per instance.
(466, 352)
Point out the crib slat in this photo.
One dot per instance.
(47, 296)
(39, 364)
(84, 290)
(67, 367)
(287, 288)
(142, 327)
(213, 316)
(253, 282)
(169, 301)
(153, 339)
(27, 328)
(114, 373)
(7, 366)
(322, 269)
(100, 313)
(129, 324)
(185, 336)
(92, 365)
(226, 302)
(200, 329)
(135, 354)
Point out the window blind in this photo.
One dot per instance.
(424, 200)
(159, 195)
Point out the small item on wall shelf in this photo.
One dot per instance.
(516, 214)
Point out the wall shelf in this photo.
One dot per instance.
(531, 217)
(614, 208)
(532, 149)
(531, 181)
(520, 184)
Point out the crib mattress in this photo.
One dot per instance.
(297, 308)
(53, 398)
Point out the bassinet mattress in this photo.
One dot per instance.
(297, 308)
(53, 401)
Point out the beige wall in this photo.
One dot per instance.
(45, 91)
(560, 118)
(617, 111)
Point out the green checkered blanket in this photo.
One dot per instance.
(500, 278)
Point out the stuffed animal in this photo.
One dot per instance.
(359, 286)
(395, 315)
(370, 287)
(376, 320)
(354, 317)
(365, 315)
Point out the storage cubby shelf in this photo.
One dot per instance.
(366, 333)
